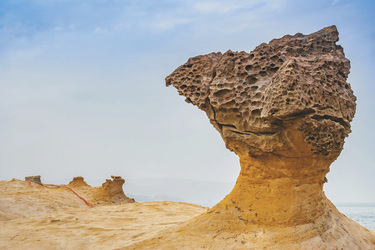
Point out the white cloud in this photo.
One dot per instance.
(57, 28)
(216, 7)
(100, 30)
(223, 7)
(169, 23)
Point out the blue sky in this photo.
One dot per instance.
(82, 87)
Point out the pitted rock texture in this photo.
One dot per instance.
(300, 79)
(284, 109)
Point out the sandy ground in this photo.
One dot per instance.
(36, 217)
(42, 218)
(20, 200)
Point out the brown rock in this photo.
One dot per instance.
(284, 109)
(35, 178)
(78, 182)
(111, 192)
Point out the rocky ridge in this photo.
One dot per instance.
(111, 191)
(22, 199)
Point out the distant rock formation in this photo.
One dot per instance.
(78, 182)
(35, 178)
(284, 109)
(110, 192)
(20, 199)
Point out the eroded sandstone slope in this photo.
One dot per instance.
(45, 216)
(21, 199)
(102, 227)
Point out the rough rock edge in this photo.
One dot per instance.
(111, 191)
(293, 78)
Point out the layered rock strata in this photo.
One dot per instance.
(284, 109)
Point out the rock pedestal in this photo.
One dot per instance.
(284, 109)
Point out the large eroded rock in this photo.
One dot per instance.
(284, 109)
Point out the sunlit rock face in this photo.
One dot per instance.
(249, 97)
(111, 191)
(284, 109)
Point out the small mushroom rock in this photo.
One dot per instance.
(111, 191)
(78, 182)
(285, 109)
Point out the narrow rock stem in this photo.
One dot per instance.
(273, 190)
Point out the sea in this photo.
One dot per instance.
(364, 214)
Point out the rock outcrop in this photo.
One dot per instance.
(31, 197)
(35, 178)
(284, 109)
(111, 191)
(78, 182)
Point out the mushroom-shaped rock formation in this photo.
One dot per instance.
(284, 109)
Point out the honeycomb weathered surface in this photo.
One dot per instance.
(300, 79)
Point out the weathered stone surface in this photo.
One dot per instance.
(284, 109)
(297, 79)
(22, 199)
(111, 191)
(78, 182)
(36, 178)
